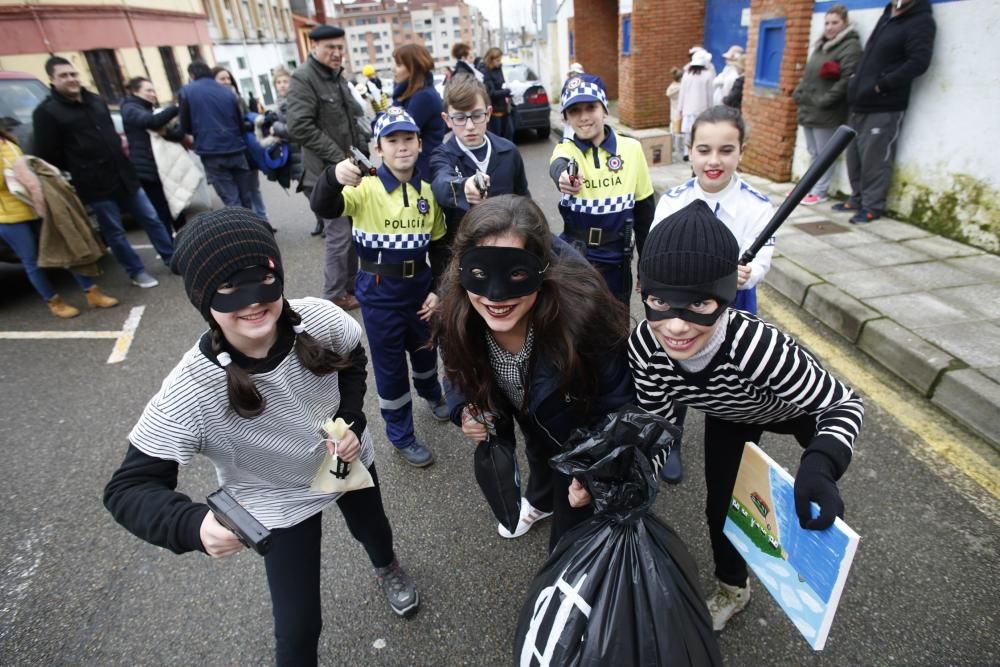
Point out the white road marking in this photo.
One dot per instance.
(123, 338)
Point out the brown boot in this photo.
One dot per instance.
(98, 299)
(62, 309)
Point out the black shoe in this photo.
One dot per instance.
(399, 589)
(318, 230)
(672, 471)
(273, 229)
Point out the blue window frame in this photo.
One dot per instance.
(770, 50)
(626, 35)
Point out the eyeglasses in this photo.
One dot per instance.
(477, 117)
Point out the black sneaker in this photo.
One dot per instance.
(416, 455)
(672, 471)
(399, 589)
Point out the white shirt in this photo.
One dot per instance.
(743, 209)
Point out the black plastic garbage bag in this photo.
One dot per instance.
(499, 479)
(620, 588)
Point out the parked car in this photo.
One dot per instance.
(529, 99)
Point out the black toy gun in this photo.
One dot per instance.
(480, 182)
(364, 164)
(573, 171)
(234, 516)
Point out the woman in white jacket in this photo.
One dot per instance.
(696, 93)
(723, 83)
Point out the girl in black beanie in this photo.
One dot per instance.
(746, 376)
(252, 395)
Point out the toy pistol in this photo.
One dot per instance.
(480, 182)
(573, 171)
(234, 516)
(360, 159)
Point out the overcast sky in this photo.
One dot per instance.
(515, 12)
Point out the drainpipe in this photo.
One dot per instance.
(135, 40)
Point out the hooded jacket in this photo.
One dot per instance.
(80, 137)
(138, 117)
(822, 100)
(898, 51)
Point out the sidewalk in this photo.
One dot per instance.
(924, 307)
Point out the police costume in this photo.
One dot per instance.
(744, 210)
(395, 224)
(613, 210)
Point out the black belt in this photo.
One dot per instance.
(408, 269)
(592, 237)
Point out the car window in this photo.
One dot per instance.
(19, 97)
(518, 73)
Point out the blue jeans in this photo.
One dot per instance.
(256, 198)
(232, 178)
(22, 237)
(109, 217)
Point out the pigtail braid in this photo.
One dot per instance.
(243, 395)
(318, 359)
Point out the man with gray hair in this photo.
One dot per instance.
(323, 117)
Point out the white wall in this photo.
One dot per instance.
(260, 59)
(951, 133)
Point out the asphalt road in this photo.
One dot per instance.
(75, 588)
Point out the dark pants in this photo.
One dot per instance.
(870, 157)
(293, 567)
(231, 177)
(723, 450)
(502, 126)
(548, 489)
(154, 190)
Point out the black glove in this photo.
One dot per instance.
(814, 482)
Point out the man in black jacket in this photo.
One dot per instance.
(74, 131)
(138, 119)
(898, 51)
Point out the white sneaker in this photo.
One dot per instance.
(529, 516)
(726, 602)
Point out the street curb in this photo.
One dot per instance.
(971, 398)
(791, 279)
(838, 310)
(906, 354)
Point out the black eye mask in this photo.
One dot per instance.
(249, 289)
(500, 273)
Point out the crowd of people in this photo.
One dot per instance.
(447, 255)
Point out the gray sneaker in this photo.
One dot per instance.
(416, 455)
(399, 589)
(144, 280)
(439, 409)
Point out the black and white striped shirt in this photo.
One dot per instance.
(269, 461)
(759, 376)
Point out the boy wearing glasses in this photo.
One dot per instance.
(471, 149)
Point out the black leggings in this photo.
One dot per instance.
(723, 450)
(293, 565)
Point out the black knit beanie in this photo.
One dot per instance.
(212, 247)
(691, 253)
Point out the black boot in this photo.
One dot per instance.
(319, 228)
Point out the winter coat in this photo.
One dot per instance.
(425, 106)
(138, 117)
(822, 92)
(696, 92)
(898, 51)
(322, 117)
(496, 86)
(80, 137)
(182, 175)
(211, 114)
(280, 129)
(66, 239)
(735, 97)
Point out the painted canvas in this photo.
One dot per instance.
(804, 570)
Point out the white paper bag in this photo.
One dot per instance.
(334, 474)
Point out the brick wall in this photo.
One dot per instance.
(662, 33)
(770, 112)
(595, 40)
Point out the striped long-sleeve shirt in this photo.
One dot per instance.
(759, 376)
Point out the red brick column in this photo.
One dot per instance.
(662, 33)
(770, 112)
(595, 40)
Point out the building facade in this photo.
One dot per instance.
(108, 43)
(251, 38)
